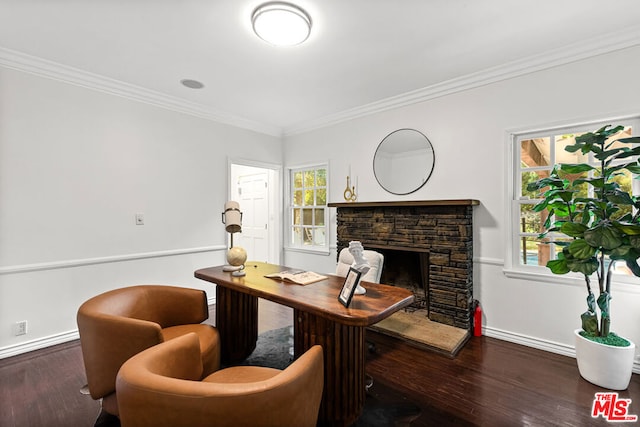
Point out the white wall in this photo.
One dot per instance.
(468, 131)
(76, 165)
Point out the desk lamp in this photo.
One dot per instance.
(236, 256)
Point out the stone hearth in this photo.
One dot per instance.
(428, 247)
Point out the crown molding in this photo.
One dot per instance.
(578, 51)
(56, 71)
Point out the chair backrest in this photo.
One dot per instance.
(117, 324)
(375, 260)
(161, 387)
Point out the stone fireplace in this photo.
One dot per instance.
(428, 248)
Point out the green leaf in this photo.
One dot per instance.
(596, 182)
(581, 250)
(573, 148)
(573, 229)
(586, 267)
(621, 252)
(576, 168)
(628, 229)
(630, 140)
(604, 235)
(558, 266)
(634, 241)
(628, 152)
(608, 153)
(619, 197)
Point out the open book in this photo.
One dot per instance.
(300, 277)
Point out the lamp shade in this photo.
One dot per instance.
(232, 217)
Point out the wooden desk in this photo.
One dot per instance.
(319, 318)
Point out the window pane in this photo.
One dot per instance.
(297, 216)
(308, 197)
(297, 198)
(297, 180)
(319, 237)
(321, 177)
(308, 236)
(535, 152)
(297, 235)
(319, 214)
(309, 180)
(321, 197)
(530, 221)
(563, 156)
(307, 216)
(534, 252)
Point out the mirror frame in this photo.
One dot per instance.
(428, 168)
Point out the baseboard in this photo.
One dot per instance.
(550, 346)
(38, 344)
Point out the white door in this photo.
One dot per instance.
(253, 197)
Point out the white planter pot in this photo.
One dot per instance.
(604, 365)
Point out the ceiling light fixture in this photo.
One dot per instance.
(281, 24)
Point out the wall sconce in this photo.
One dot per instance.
(236, 256)
(350, 192)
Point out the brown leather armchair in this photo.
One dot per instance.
(120, 323)
(165, 386)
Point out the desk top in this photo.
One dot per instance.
(319, 298)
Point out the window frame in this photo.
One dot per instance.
(290, 244)
(512, 265)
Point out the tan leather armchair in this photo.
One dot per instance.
(118, 324)
(165, 386)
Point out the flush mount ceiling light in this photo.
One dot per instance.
(281, 24)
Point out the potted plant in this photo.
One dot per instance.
(597, 223)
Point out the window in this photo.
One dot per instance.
(308, 207)
(534, 156)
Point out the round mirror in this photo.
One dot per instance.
(403, 161)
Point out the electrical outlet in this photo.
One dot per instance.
(139, 219)
(20, 328)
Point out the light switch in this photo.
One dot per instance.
(139, 219)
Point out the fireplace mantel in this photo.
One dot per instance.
(456, 202)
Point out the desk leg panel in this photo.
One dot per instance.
(237, 323)
(344, 365)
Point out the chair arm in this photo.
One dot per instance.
(107, 342)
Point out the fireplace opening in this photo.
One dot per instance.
(409, 270)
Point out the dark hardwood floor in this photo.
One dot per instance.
(489, 383)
